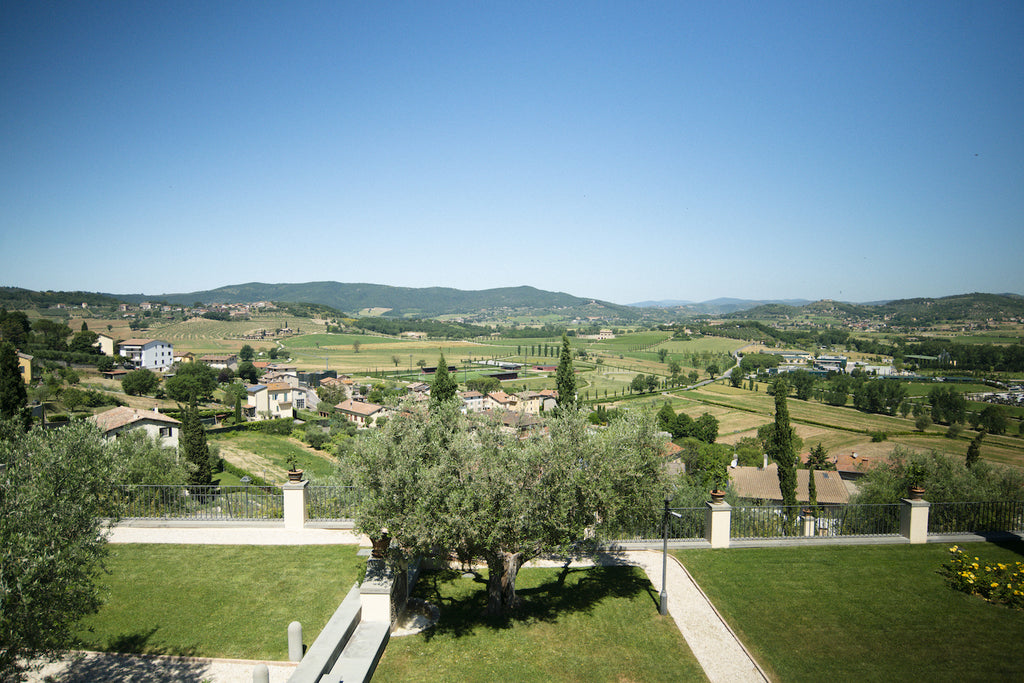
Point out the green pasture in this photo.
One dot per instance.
(216, 600)
(862, 613)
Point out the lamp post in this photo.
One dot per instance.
(245, 481)
(663, 603)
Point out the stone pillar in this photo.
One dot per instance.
(295, 642)
(808, 523)
(295, 505)
(375, 593)
(261, 674)
(717, 519)
(914, 520)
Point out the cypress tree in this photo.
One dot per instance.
(565, 379)
(13, 396)
(192, 446)
(443, 388)
(780, 447)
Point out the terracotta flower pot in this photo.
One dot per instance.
(294, 475)
(717, 496)
(915, 492)
(380, 546)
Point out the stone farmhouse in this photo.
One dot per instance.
(156, 424)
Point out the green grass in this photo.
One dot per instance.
(270, 451)
(596, 624)
(864, 613)
(217, 601)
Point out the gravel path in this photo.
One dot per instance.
(716, 647)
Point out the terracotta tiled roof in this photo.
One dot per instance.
(278, 386)
(763, 484)
(123, 416)
(358, 408)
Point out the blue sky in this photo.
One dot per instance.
(623, 151)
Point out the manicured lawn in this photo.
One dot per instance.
(217, 601)
(863, 613)
(597, 624)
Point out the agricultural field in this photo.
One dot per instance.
(266, 455)
(840, 429)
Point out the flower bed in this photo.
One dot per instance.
(995, 582)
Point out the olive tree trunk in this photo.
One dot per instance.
(502, 569)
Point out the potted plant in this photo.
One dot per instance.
(294, 473)
(380, 544)
(718, 476)
(915, 476)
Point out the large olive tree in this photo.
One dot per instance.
(435, 479)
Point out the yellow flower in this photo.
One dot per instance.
(994, 584)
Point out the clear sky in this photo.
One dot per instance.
(624, 151)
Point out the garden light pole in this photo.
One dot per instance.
(663, 604)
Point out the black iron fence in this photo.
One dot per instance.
(977, 517)
(209, 503)
(332, 503)
(831, 521)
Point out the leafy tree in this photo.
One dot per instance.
(225, 375)
(662, 354)
(948, 405)
(443, 388)
(667, 418)
(193, 448)
(803, 384)
(946, 478)
(736, 378)
(83, 342)
(433, 484)
(993, 419)
(674, 368)
(249, 372)
(14, 327)
(191, 383)
(140, 382)
(922, 422)
(974, 450)
(356, 346)
(396, 360)
(421, 363)
(638, 384)
(13, 396)
(234, 393)
(56, 485)
(694, 376)
(705, 428)
(712, 370)
(105, 364)
(780, 447)
(52, 335)
(72, 398)
(141, 459)
(484, 385)
(273, 353)
(651, 383)
(246, 353)
(818, 457)
(565, 378)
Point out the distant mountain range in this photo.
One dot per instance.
(424, 302)
(512, 302)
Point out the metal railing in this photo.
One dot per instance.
(765, 521)
(958, 518)
(687, 526)
(881, 519)
(211, 503)
(830, 521)
(332, 503)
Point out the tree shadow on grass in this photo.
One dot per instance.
(131, 657)
(463, 601)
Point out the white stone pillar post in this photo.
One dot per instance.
(717, 520)
(914, 520)
(808, 522)
(295, 505)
